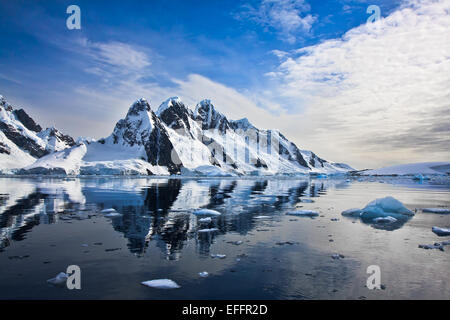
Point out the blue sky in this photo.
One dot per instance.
(241, 54)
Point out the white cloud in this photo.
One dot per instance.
(289, 18)
(379, 95)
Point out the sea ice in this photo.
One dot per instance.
(437, 210)
(220, 256)
(60, 278)
(262, 217)
(303, 213)
(203, 274)
(206, 212)
(161, 284)
(205, 220)
(441, 231)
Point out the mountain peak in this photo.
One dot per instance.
(209, 117)
(167, 104)
(139, 106)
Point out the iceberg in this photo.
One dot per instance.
(161, 284)
(384, 207)
(441, 232)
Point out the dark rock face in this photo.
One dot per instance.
(209, 118)
(177, 116)
(62, 137)
(22, 141)
(27, 121)
(315, 159)
(4, 148)
(160, 150)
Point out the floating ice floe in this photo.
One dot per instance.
(303, 213)
(262, 217)
(161, 284)
(219, 256)
(355, 212)
(441, 231)
(208, 230)
(108, 210)
(205, 220)
(337, 256)
(113, 214)
(437, 210)
(203, 274)
(207, 212)
(60, 278)
(387, 219)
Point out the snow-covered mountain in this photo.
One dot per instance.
(172, 140)
(22, 140)
(430, 168)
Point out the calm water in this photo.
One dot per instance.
(49, 224)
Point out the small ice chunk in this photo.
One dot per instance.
(383, 207)
(337, 256)
(220, 256)
(355, 212)
(303, 213)
(203, 274)
(207, 212)
(437, 210)
(262, 217)
(108, 210)
(113, 214)
(208, 230)
(205, 220)
(387, 219)
(60, 278)
(441, 231)
(161, 284)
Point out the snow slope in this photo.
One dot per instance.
(412, 169)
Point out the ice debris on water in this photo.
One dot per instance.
(206, 212)
(262, 217)
(60, 278)
(108, 210)
(203, 274)
(437, 210)
(219, 256)
(208, 230)
(161, 284)
(303, 213)
(205, 220)
(441, 231)
(113, 214)
(337, 256)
